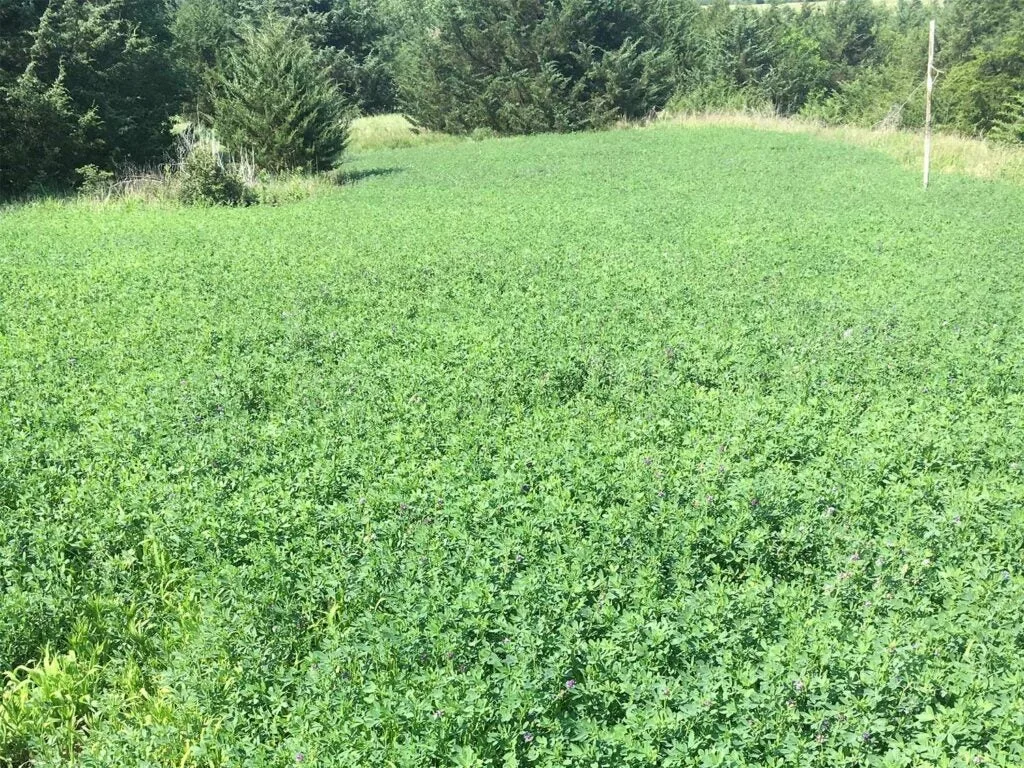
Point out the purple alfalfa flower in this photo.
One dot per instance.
(527, 736)
(300, 757)
(570, 684)
(403, 506)
(798, 685)
(647, 461)
(866, 736)
(438, 714)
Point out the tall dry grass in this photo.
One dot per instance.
(391, 132)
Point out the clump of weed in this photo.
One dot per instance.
(206, 180)
(93, 181)
(480, 134)
(206, 173)
(45, 706)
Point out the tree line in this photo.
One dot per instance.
(99, 83)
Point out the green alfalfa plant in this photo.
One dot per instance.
(274, 98)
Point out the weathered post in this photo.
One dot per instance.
(929, 85)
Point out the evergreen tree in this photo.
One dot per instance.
(1009, 125)
(108, 60)
(517, 66)
(982, 54)
(353, 40)
(18, 20)
(276, 100)
(93, 87)
(201, 33)
(44, 138)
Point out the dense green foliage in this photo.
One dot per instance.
(95, 88)
(276, 100)
(631, 448)
(44, 138)
(985, 59)
(517, 66)
(96, 81)
(349, 36)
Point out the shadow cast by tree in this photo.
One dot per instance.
(361, 174)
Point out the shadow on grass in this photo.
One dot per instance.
(354, 176)
(37, 194)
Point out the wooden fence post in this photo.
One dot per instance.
(930, 84)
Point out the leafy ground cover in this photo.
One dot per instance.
(952, 153)
(680, 447)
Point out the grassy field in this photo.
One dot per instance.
(951, 153)
(391, 132)
(693, 446)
